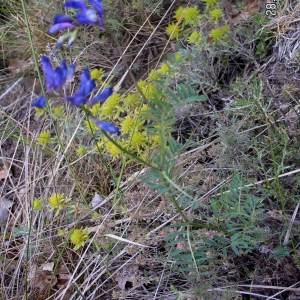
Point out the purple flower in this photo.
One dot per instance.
(87, 84)
(76, 4)
(107, 92)
(39, 102)
(88, 16)
(98, 6)
(60, 23)
(108, 127)
(56, 78)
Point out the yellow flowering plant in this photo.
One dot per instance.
(173, 31)
(57, 202)
(79, 237)
(187, 15)
(58, 112)
(215, 14)
(37, 204)
(219, 33)
(211, 3)
(97, 75)
(195, 38)
(111, 105)
(44, 138)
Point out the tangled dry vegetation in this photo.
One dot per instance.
(235, 169)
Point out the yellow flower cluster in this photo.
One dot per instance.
(195, 38)
(57, 201)
(173, 31)
(79, 237)
(112, 149)
(216, 14)
(187, 15)
(187, 24)
(97, 75)
(129, 111)
(219, 33)
(211, 3)
(111, 105)
(184, 16)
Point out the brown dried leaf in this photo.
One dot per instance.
(42, 284)
(64, 276)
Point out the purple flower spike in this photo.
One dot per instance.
(87, 17)
(107, 92)
(60, 27)
(87, 84)
(48, 71)
(108, 127)
(98, 6)
(56, 78)
(60, 23)
(76, 4)
(39, 102)
(86, 87)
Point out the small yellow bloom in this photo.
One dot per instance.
(219, 33)
(180, 13)
(189, 15)
(144, 108)
(96, 110)
(195, 37)
(173, 31)
(211, 3)
(57, 201)
(37, 204)
(154, 75)
(112, 149)
(215, 14)
(128, 124)
(97, 74)
(132, 100)
(81, 151)
(44, 137)
(110, 105)
(164, 69)
(79, 237)
(148, 89)
(156, 140)
(58, 112)
(137, 139)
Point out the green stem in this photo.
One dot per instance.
(36, 63)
